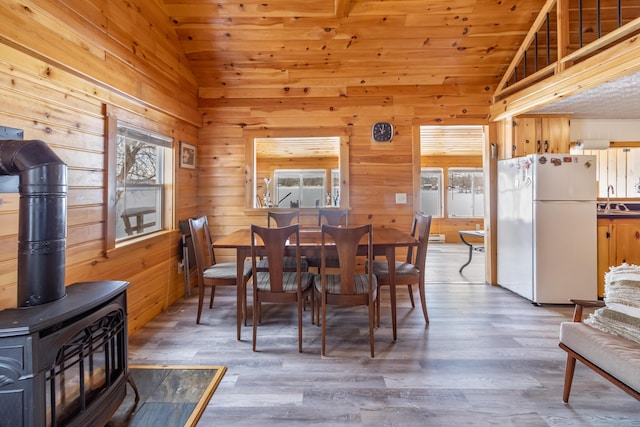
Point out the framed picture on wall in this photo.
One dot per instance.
(187, 155)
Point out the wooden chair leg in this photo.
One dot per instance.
(256, 315)
(372, 309)
(245, 314)
(413, 304)
(378, 306)
(423, 300)
(324, 325)
(213, 293)
(568, 377)
(301, 301)
(200, 302)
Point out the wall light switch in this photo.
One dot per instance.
(401, 198)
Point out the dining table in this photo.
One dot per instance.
(385, 242)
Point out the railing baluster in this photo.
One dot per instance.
(535, 39)
(580, 23)
(548, 41)
(619, 13)
(598, 19)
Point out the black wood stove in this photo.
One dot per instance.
(63, 350)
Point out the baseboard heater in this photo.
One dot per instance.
(436, 238)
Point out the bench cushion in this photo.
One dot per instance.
(617, 356)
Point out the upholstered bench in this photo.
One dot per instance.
(615, 358)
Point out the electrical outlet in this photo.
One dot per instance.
(401, 198)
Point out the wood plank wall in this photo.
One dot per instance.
(376, 171)
(61, 63)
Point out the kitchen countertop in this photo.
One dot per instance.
(632, 211)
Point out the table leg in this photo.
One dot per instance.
(391, 259)
(470, 252)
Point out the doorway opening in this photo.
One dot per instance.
(452, 190)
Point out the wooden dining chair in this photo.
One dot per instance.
(335, 217)
(277, 285)
(212, 274)
(411, 271)
(282, 219)
(346, 288)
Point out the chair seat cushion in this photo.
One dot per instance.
(360, 285)
(403, 269)
(289, 264)
(289, 281)
(226, 270)
(617, 356)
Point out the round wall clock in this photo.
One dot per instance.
(382, 132)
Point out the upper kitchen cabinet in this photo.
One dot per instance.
(539, 135)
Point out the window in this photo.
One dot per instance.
(465, 193)
(142, 162)
(299, 188)
(321, 163)
(431, 192)
(617, 167)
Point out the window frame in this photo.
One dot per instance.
(250, 158)
(441, 187)
(111, 142)
(301, 175)
(474, 170)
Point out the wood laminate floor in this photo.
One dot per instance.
(488, 358)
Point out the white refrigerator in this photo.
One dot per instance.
(546, 228)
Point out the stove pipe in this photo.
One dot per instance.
(42, 222)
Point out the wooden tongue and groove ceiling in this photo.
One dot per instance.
(245, 48)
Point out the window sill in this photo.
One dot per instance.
(304, 212)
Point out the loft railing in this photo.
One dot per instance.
(565, 33)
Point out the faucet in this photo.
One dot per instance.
(609, 192)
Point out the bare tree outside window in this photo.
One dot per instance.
(139, 182)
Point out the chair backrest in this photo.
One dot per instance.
(202, 247)
(282, 219)
(274, 243)
(420, 229)
(333, 217)
(346, 241)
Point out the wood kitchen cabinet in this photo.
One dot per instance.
(618, 242)
(538, 135)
